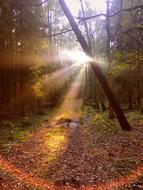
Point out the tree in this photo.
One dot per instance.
(111, 112)
(126, 25)
(102, 79)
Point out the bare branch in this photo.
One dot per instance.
(112, 15)
(59, 33)
(90, 17)
(127, 10)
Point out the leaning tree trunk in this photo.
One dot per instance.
(99, 74)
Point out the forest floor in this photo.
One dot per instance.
(73, 148)
(86, 153)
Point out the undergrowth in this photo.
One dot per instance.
(19, 130)
(100, 120)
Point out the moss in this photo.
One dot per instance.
(125, 166)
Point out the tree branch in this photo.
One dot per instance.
(57, 34)
(90, 17)
(112, 15)
(60, 33)
(127, 10)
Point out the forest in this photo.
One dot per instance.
(71, 94)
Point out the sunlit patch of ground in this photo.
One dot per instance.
(54, 139)
(55, 142)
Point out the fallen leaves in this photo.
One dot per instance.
(83, 158)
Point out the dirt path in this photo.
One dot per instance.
(74, 166)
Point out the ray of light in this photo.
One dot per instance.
(58, 78)
(71, 102)
(59, 74)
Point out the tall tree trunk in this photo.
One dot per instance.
(142, 106)
(111, 111)
(50, 30)
(99, 74)
(138, 79)
(85, 23)
(119, 29)
(130, 97)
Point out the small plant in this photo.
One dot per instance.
(26, 122)
(81, 120)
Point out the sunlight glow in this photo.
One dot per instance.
(77, 56)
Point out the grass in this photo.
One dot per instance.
(102, 123)
(19, 130)
(135, 118)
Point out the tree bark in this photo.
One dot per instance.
(142, 106)
(138, 83)
(130, 97)
(85, 23)
(111, 111)
(99, 74)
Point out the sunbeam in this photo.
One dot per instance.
(70, 101)
(59, 74)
